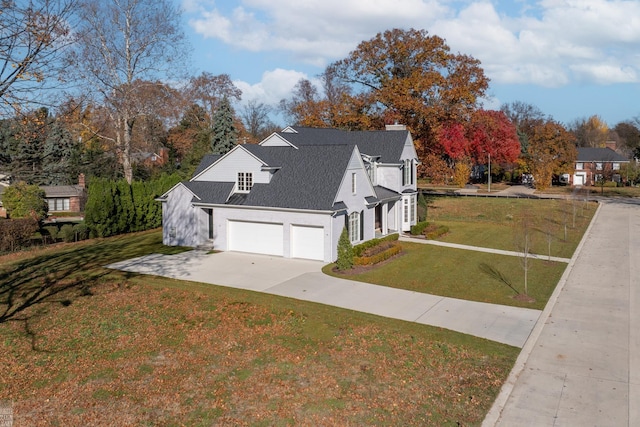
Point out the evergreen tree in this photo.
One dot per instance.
(58, 152)
(225, 134)
(345, 251)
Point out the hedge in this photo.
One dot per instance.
(439, 231)
(358, 250)
(379, 257)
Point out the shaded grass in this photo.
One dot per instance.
(463, 274)
(145, 350)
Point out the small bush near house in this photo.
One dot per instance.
(81, 231)
(67, 233)
(358, 250)
(435, 231)
(52, 232)
(417, 229)
(382, 252)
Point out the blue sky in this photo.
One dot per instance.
(571, 58)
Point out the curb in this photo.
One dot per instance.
(494, 414)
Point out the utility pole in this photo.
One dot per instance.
(489, 172)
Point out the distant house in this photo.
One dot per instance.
(595, 164)
(3, 184)
(66, 198)
(150, 159)
(294, 193)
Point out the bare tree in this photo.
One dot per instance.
(33, 37)
(121, 44)
(523, 237)
(256, 119)
(208, 91)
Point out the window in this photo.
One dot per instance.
(59, 204)
(599, 177)
(354, 227)
(407, 176)
(598, 166)
(210, 222)
(353, 183)
(245, 181)
(372, 173)
(413, 209)
(616, 166)
(406, 210)
(579, 166)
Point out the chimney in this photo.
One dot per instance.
(81, 182)
(395, 126)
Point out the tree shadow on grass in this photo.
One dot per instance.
(496, 274)
(62, 276)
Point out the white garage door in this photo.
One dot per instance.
(578, 179)
(307, 242)
(256, 237)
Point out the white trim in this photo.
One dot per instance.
(237, 147)
(163, 197)
(260, 208)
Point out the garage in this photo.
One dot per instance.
(307, 242)
(256, 237)
(578, 179)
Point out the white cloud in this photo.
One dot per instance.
(274, 86)
(549, 43)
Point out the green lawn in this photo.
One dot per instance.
(82, 345)
(470, 275)
(495, 223)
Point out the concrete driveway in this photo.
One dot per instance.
(303, 280)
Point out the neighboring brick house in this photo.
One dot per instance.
(66, 198)
(595, 164)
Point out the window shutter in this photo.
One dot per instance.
(403, 174)
(361, 225)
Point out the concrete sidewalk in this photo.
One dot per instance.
(479, 249)
(581, 365)
(304, 280)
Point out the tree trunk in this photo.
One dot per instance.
(127, 131)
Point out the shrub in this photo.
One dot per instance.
(81, 231)
(436, 231)
(390, 251)
(67, 233)
(418, 228)
(358, 250)
(52, 231)
(14, 232)
(345, 251)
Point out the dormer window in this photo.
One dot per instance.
(245, 181)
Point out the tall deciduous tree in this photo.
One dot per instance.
(208, 90)
(551, 151)
(120, 43)
(33, 37)
(412, 77)
(525, 117)
(487, 134)
(256, 120)
(591, 132)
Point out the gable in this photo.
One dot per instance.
(275, 140)
(364, 189)
(227, 167)
(409, 149)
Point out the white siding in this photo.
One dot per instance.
(237, 160)
(275, 140)
(390, 177)
(180, 223)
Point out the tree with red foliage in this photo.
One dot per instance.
(486, 133)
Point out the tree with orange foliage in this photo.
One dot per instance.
(551, 151)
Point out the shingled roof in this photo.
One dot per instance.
(307, 176)
(386, 144)
(590, 154)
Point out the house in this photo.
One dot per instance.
(66, 198)
(294, 193)
(595, 164)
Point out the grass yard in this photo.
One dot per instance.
(469, 275)
(495, 222)
(81, 345)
